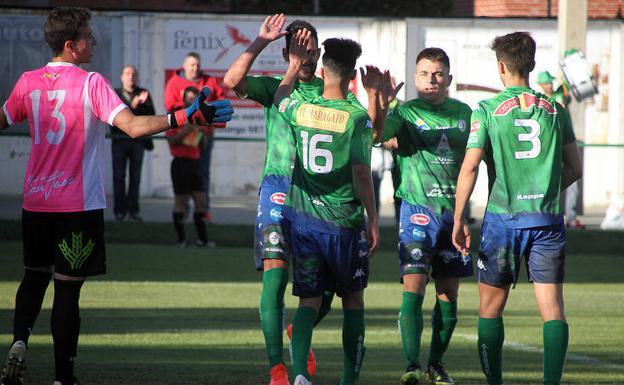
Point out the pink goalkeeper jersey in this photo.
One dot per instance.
(67, 110)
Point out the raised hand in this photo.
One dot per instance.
(389, 89)
(271, 29)
(298, 52)
(371, 79)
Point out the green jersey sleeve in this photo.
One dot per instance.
(566, 125)
(288, 110)
(362, 141)
(261, 89)
(392, 126)
(478, 137)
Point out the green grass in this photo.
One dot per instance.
(168, 316)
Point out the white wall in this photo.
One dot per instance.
(141, 39)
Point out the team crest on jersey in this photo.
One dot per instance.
(278, 198)
(421, 125)
(461, 125)
(525, 102)
(420, 219)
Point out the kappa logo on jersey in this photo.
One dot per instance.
(50, 76)
(278, 198)
(523, 101)
(420, 219)
(322, 118)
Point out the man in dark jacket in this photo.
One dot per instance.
(128, 151)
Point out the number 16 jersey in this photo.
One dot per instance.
(67, 110)
(330, 136)
(522, 133)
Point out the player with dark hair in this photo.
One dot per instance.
(431, 134)
(529, 147)
(62, 219)
(330, 189)
(271, 251)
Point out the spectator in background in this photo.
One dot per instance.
(191, 75)
(561, 96)
(128, 152)
(185, 144)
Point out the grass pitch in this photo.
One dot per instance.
(168, 316)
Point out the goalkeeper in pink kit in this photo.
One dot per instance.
(67, 109)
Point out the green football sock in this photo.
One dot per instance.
(411, 325)
(302, 339)
(272, 313)
(555, 347)
(490, 346)
(328, 297)
(443, 320)
(353, 329)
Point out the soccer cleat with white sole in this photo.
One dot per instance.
(301, 380)
(15, 365)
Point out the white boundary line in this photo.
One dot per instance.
(533, 349)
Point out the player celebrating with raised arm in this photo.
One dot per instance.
(331, 186)
(62, 220)
(270, 248)
(431, 134)
(531, 154)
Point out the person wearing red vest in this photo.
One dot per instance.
(191, 75)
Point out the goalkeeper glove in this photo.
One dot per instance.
(201, 113)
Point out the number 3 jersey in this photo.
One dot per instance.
(330, 136)
(522, 133)
(67, 110)
(432, 143)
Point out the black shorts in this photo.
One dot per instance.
(71, 242)
(186, 176)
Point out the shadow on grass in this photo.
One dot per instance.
(166, 263)
(245, 365)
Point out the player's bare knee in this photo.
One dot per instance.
(447, 289)
(415, 283)
(199, 199)
(269, 264)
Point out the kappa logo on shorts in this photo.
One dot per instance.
(359, 273)
(278, 198)
(420, 219)
(78, 253)
(480, 265)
